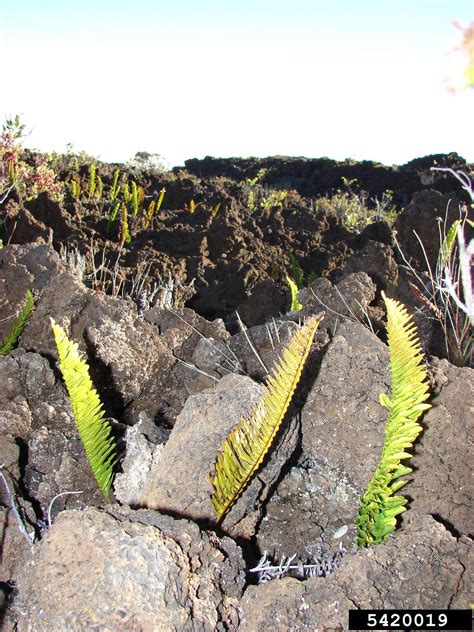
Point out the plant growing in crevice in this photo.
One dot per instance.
(94, 431)
(258, 197)
(154, 207)
(247, 444)
(295, 305)
(355, 209)
(215, 210)
(297, 274)
(380, 504)
(124, 233)
(10, 340)
(445, 290)
(112, 216)
(115, 186)
(92, 181)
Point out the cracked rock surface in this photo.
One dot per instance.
(343, 426)
(190, 452)
(380, 577)
(130, 571)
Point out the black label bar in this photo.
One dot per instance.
(410, 620)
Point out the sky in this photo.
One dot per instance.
(360, 79)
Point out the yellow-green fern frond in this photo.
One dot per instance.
(379, 505)
(246, 446)
(295, 305)
(10, 340)
(94, 430)
(447, 245)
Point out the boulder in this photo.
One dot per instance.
(178, 482)
(130, 571)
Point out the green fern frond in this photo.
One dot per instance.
(448, 244)
(99, 188)
(247, 444)
(134, 198)
(92, 180)
(379, 505)
(297, 272)
(124, 233)
(214, 211)
(10, 340)
(87, 408)
(295, 304)
(112, 216)
(115, 187)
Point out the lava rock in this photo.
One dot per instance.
(419, 567)
(130, 571)
(179, 483)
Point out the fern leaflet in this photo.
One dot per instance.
(247, 444)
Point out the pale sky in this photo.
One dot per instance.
(362, 79)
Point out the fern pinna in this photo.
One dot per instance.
(380, 505)
(246, 446)
(94, 430)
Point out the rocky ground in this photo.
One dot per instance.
(180, 324)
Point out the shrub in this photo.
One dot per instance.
(355, 209)
(16, 174)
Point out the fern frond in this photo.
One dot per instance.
(10, 340)
(247, 444)
(87, 408)
(379, 505)
(297, 272)
(92, 180)
(295, 304)
(446, 247)
(115, 187)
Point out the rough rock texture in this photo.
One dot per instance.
(319, 176)
(130, 571)
(126, 351)
(147, 364)
(350, 298)
(257, 347)
(343, 425)
(179, 483)
(443, 484)
(203, 357)
(421, 216)
(15, 547)
(376, 260)
(30, 395)
(142, 455)
(420, 566)
(35, 409)
(25, 267)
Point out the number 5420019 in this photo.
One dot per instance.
(410, 619)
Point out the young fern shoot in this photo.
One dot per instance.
(380, 505)
(244, 449)
(295, 304)
(94, 430)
